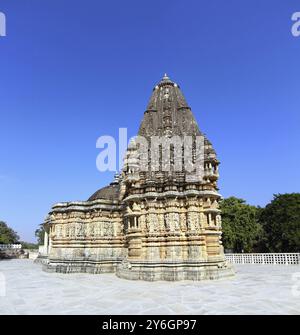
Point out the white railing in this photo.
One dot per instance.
(268, 258)
(10, 246)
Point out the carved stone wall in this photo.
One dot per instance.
(87, 239)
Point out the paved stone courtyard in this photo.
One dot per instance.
(256, 289)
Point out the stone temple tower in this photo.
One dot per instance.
(172, 223)
(159, 219)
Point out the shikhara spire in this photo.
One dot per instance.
(167, 112)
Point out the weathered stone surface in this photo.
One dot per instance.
(153, 224)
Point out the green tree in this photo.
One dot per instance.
(7, 235)
(39, 234)
(241, 229)
(281, 222)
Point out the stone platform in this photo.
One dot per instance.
(256, 289)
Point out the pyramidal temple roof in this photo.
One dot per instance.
(168, 112)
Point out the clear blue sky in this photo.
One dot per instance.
(71, 71)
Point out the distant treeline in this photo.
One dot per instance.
(274, 228)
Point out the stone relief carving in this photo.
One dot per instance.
(176, 221)
(161, 222)
(72, 230)
(183, 222)
(193, 221)
(218, 220)
(152, 223)
(172, 222)
(91, 229)
(80, 229)
(67, 230)
(108, 229)
(142, 222)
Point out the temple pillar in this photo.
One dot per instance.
(50, 240)
(46, 242)
(135, 221)
(209, 219)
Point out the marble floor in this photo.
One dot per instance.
(256, 289)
